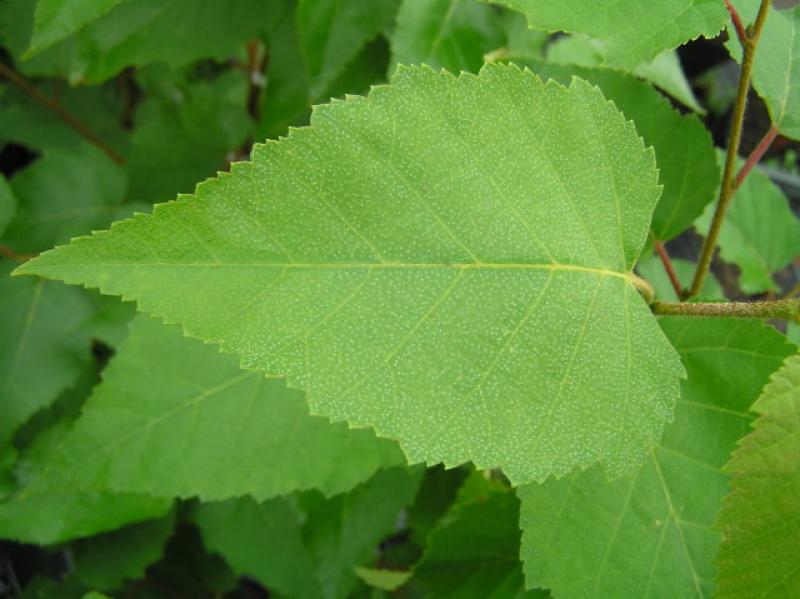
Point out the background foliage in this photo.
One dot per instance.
(137, 462)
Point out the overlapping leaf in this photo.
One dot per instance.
(760, 517)
(633, 31)
(8, 204)
(41, 353)
(104, 562)
(450, 34)
(173, 417)
(445, 261)
(760, 233)
(58, 19)
(34, 514)
(776, 73)
(306, 545)
(651, 535)
(652, 269)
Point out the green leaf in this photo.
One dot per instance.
(8, 204)
(474, 551)
(441, 287)
(633, 31)
(104, 562)
(58, 19)
(146, 31)
(186, 134)
(653, 272)
(450, 34)
(306, 545)
(332, 32)
(760, 233)
(759, 517)
(40, 353)
(776, 72)
(174, 417)
(664, 71)
(685, 152)
(34, 514)
(63, 194)
(793, 332)
(387, 580)
(651, 535)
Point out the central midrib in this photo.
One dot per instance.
(391, 266)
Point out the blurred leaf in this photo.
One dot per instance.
(651, 268)
(664, 71)
(306, 545)
(63, 194)
(182, 139)
(760, 233)
(41, 353)
(776, 72)
(58, 19)
(105, 561)
(174, 417)
(522, 41)
(474, 550)
(387, 580)
(34, 514)
(793, 332)
(685, 153)
(651, 535)
(8, 204)
(332, 33)
(450, 34)
(760, 517)
(437, 491)
(109, 321)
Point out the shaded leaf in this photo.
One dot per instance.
(387, 580)
(41, 353)
(760, 517)
(8, 204)
(173, 417)
(306, 545)
(332, 32)
(776, 73)
(651, 535)
(105, 561)
(58, 19)
(474, 550)
(34, 514)
(63, 194)
(423, 299)
(760, 233)
(450, 34)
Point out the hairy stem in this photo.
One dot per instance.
(787, 309)
(756, 155)
(673, 276)
(53, 106)
(728, 187)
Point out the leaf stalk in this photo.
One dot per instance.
(787, 309)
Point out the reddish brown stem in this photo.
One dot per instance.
(756, 155)
(7, 252)
(741, 32)
(673, 276)
(52, 105)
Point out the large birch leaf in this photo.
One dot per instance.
(446, 260)
(633, 31)
(760, 518)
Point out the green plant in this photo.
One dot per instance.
(468, 271)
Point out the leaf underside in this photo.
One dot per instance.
(446, 261)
